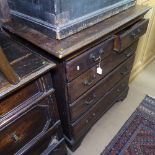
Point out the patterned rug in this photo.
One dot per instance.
(137, 136)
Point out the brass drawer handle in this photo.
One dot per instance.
(96, 59)
(14, 137)
(92, 56)
(121, 87)
(89, 82)
(91, 101)
(124, 72)
(129, 54)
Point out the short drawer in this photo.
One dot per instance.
(83, 62)
(27, 94)
(85, 102)
(81, 127)
(50, 143)
(81, 84)
(126, 37)
(26, 127)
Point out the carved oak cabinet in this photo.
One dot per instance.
(93, 67)
(29, 120)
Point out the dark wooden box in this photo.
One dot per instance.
(62, 18)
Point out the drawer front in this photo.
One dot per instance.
(26, 127)
(131, 34)
(84, 82)
(26, 94)
(86, 101)
(50, 143)
(81, 63)
(82, 126)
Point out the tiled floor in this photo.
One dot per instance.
(106, 128)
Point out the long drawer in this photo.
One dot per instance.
(89, 58)
(25, 127)
(84, 82)
(82, 126)
(126, 37)
(86, 101)
(26, 95)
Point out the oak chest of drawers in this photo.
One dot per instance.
(93, 67)
(29, 119)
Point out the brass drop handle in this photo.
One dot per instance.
(15, 137)
(97, 59)
(90, 81)
(7, 70)
(91, 101)
(129, 52)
